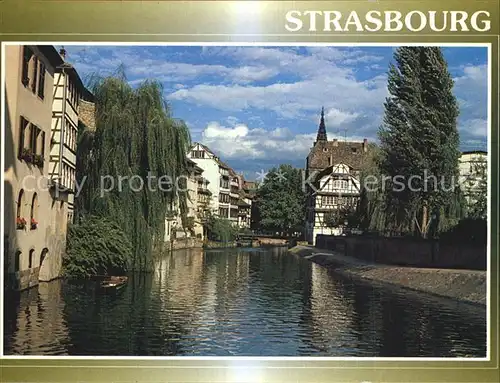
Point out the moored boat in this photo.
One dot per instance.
(113, 283)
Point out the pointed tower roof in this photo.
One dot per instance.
(322, 128)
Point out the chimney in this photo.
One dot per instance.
(365, 145)
(62, 52)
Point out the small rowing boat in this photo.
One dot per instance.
(114, 283)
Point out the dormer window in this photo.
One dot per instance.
(354, 150)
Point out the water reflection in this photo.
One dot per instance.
(238, 302)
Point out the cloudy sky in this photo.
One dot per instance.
(258, 107)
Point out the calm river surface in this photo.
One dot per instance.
(238, 302)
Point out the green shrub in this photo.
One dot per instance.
(97, 246)
(222, 230)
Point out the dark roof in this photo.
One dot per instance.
(222, 164)
(50, 52)
(349, 153)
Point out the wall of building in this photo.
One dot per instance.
(211, 173)
(30, 253)
(65, 162)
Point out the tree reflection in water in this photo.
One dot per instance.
(239, 302)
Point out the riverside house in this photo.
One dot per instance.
(333, 168)
(36, 206)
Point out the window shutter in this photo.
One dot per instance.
(41, 81)
(35, 74)
(27, 53)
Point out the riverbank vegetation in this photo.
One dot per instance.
(97, 246)
(419, 141)
(136, 141)
(221, 230)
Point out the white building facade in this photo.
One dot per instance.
(335, 188)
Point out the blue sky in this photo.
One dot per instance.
(257, 107)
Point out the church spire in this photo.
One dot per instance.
(322, 128)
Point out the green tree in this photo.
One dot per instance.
(281, 200)
(138, 141)
(96, 246)
(477, 206)
(420, 142)
(221, 229)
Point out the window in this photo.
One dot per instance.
(224, 183)
(27, 55)
(43, 255)
(35, 74)
(340, 184)
(33, 215)
(23, 129)
(327, 200)
(354, 150)
(41, 81)
(20, 204)
(42, 144)
(34, 132)
(224, 198)
(31, 258)
(17, 261)
(198, 154)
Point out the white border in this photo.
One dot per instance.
(258, 358)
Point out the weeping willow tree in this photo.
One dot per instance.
(133, 165)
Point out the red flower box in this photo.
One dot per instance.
(20, 223)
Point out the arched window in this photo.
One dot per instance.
(20, 203)
(43, 254)
(31, 258)
(17, 261)
(34, 211)
(20, 220)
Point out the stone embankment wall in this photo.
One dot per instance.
(463, 286)
(186, 243)
(407, 252)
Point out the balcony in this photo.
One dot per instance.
(203, 190)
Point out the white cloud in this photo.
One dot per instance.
(319, 80)
(476, 127)
(256, 143)
(471, 89)
(336, 118)
(279, 144)
(320, 77)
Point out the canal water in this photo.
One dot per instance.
(239, 302)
